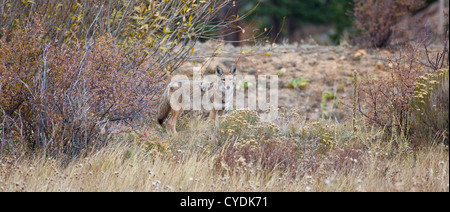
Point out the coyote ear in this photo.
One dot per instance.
(233, 70)
(219, 70)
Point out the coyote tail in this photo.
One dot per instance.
(164, 106)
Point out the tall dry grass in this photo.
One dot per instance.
(148, 160)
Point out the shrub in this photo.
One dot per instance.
(385, 101)
(265, 155)
(377, 19)
(413, 99)
(164, 32)
(253, 143)
(50, 99)
(245, 124)
(70, 68)
(150, 144)
(431, 106)
(321, 136)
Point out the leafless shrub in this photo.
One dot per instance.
(412, 99)
(70, 68)
(377, 19)
(385, 101)
(440, 60)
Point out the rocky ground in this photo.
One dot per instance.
(325, 71)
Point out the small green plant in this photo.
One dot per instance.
(281, 72)
(340, 87)
(298, 83)
(245, 85)
(320, 134)
(326, 96)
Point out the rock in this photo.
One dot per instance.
(380, 65)
(384, 53)
(313, 63)
(252, 72)
(359, 54)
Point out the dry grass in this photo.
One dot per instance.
(147, 160)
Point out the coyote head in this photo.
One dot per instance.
(225, 81)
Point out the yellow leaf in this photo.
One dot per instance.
(144, 26)
(164, 39)
(246, 51)
(267, 54)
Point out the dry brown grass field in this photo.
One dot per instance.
(311, 146)
(148, 160)
(80, 83)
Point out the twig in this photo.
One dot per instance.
(354, 105)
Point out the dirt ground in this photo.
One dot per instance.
(327, 69)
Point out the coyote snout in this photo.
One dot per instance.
(183, 95)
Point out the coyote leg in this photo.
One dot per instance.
(173, 122)
(212, 119)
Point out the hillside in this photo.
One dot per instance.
(327, 70)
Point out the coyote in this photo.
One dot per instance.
(215, 96)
